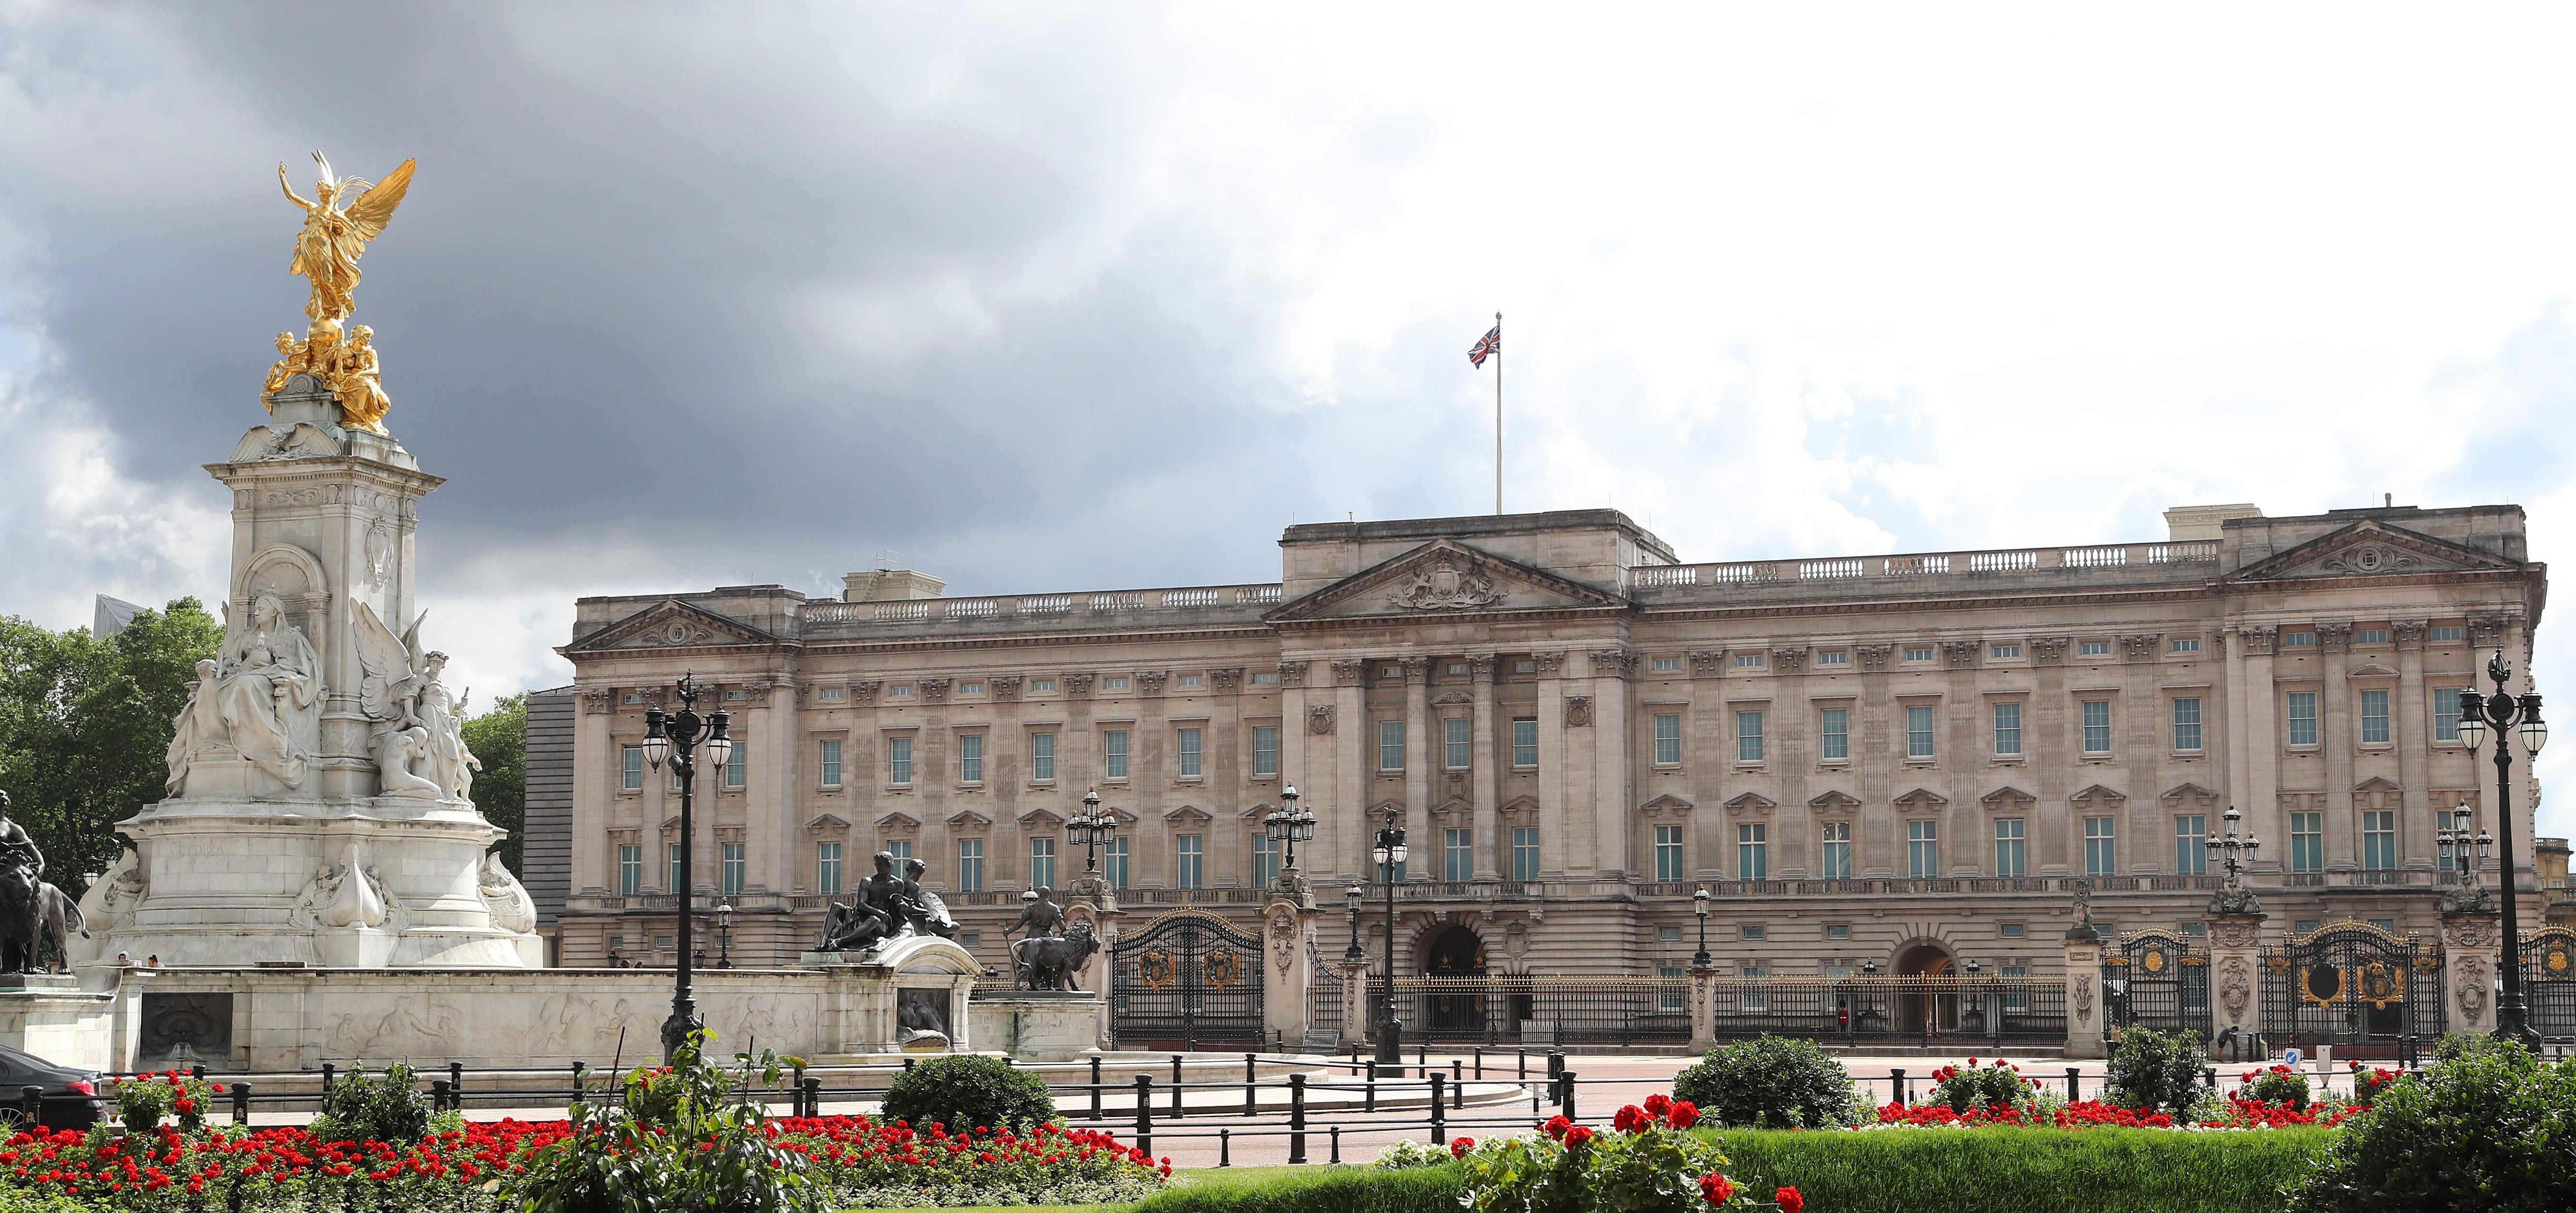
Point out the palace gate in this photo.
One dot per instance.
(2353, 986)
(2549, 981)
(1186, 981)
(2157, 979)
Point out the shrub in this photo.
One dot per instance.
(2369, 1081)
(389, 1108)
(969, 1092)
(715, 1154)
(1770, 1080)
(1649, 1164)
(1407, 1154)
(2153, 1070)
(2484, 1127)
(2277, 1084)
(1993, 1087)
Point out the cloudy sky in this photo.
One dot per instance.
(1049, 297)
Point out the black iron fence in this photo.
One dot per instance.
(1547, 1011)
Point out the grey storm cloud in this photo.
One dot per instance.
(785, 285)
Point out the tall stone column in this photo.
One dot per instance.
(2469, 957)
(2337, 735)
(1348, 724)
(1288, 931)
(2414, 737)
(1703, 979)
(1555, 846)
(2260, 794)
(2235, 969)
(1614, 803)
(1421, 756)
(2083, 991)
(1489, 841)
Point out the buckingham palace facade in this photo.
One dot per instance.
(1907, 762)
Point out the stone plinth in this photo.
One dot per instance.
(896, 995)
(50, 1016)
(2083, 992)
(2235, 973)
(1039, 1025)
(1288, 935)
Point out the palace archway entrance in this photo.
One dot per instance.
(1453, 961)
(1921, 1005)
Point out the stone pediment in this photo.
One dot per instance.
(898, 821)
(2097, 792)
(1188, 813)
(1445, 577)
(968, 819)
(669, 624)
(1257, 812)
(2373, 670)
(2188, 791)
(1833, 802)
(1045, 819)
(1751, 802)
(2374, 784)
(2370, 549)
(1921, 798)
(2007, 797)
(1519, 806)
(826, 822)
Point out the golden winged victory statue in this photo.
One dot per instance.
(344, 214)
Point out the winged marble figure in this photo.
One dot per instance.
(419, 737)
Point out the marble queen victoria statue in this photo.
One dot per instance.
(263, 698)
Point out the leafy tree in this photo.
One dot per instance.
(85, 725)
(499, 740)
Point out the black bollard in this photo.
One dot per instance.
(1336, 1159)
(1439, 1111)
(1896, 1086)
(1457, 1084)
(1225, 1147)
(456, 1083)
(1177, 1110)
(327, 1071)
(31, 1104)
(1297, 1119)
(2074, 1089)
(1251, 1084)
(1145, 1113)
(241, 1103)
(1369, 1102)
(438, 1090)
(1095, 1088)
(578, 1095)
(1565, 1106)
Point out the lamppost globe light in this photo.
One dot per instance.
(1699, 901)
(1288, 796)
(1353, 894)
(1378, 855)
(719, 740)
(2473, 719)
(1400, 851)
(2535, 732)
(657, 745)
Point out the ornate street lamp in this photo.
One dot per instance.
(674, 738)
(1289, 825)
(1352, 954)
(2506, 715)
(2234, 855)
(1699, 906)
(1389, 852)
(1088, 829)
(724, 936)
(2462, 852)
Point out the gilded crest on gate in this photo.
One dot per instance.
(2321, 984)
(1155, 969)
(1222, 970)
(2558, 961)
(2154, 961)
(2382, 985)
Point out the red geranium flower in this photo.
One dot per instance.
(1557, 1125)
(1682, 1115)
(1459, 1148)
(1789, 1200)
(1631, 1119)
(1576, 1136)
(1657, 1105)
(1717, 1188)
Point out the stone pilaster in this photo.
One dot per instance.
(1703, 1003)
(2235, 972)
(1489, 755)
(1288, 933)
(2469, 957)
(2083, 992)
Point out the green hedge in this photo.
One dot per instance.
(1993, 1170)
(1332, 1190)
(2028, 1170)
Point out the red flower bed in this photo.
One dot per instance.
(2089, 1113)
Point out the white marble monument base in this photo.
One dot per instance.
(375, 883)
(49, 1016)
(1040, 1025)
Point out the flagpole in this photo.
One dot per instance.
(1498, 417)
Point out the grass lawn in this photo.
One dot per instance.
(1212, 1181)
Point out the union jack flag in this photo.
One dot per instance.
(1486, 346)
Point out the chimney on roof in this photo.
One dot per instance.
(890, 585)
(2200, 522)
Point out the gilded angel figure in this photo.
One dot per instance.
(336, 233)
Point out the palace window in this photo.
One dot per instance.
(631, 760)
(1918, 731)
(1190, 857)
(1457, 742)
(970, 758)
(733, 866)
(2012, 846)
(900, 849)
(1042, 686)
(1113, 754)
(1042, 862)
(1113, 862)
(1922, 849)
(906, 691)
(2191, 850)
(1833, 657)
(1265, 859)
(2307, 842)
(2190, 644)
(1668, 739)
(2008, 729)
(970, 688)
(970, 865)
(899, 761)
(1525, 742)
(2097, 726)
(2186, 724)
(830, 763)
(1042, 756)
(1918, 654)
(2007, 651)
(1838, 851)
(2101, 847)
(1116, 682)
(2298, 640)
(2446, 714)
(1672, 995)
(1838, 930)
(2303, 718)
(1666, 665)
(630, 869)
(1265, 749)
(1668, 854)
(2378, 839)
(1752, 851)
(1192, 759)
(1265, 678)
(1525, 853)
(1748, 736)
(1193, 680)
(827, 868)
(1390, 745)
(2370, 636)
(2374, 718)
(1457, 856)
(2450, 632)
(2014, 999)
(1834, 731)
(1747, 660)
(2093, 648)
(671, 853)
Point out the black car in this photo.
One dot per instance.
(73, 1098)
